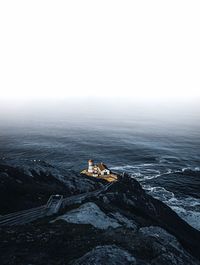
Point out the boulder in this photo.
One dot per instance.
(109, 254)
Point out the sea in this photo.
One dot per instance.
(163, 156)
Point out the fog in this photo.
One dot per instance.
(86, 61)
(90, 111)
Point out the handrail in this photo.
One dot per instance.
(51, 207)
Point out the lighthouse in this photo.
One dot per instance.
(100, 171)
(90, 166)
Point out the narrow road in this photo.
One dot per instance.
(80, 197)
(23, 217)
(53, 206)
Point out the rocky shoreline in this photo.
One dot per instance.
(123, 225)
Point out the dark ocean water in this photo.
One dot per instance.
(165, 158)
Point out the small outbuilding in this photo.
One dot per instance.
(103, 170)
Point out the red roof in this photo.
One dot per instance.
(102, 166)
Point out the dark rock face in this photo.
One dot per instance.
(66, 243)
(30, 185)
(110, 254)
(137, 201)
(165, 247)
(151, 245)
(132, 227)
(21, 191)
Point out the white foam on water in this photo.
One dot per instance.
(191, 217)
(123, 168)
(140, 171)
(159, 193)
(196, 169)
(187, 208)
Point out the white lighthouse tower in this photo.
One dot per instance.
(90, 166)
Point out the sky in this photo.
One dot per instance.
(100, 50)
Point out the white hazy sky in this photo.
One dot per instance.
(132, 49)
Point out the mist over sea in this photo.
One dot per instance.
(163, 154)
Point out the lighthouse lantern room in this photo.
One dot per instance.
(90, 166)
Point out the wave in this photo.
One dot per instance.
(141, 172)
(187, 207)
(185, 169)
(149, 171)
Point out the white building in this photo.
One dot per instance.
(103, 170)
(90, 166)
(97, 170)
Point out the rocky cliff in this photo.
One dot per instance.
(122, 225)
